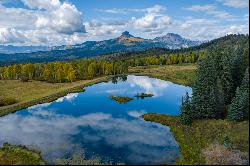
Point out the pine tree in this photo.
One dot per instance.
(205, 90)
(226, 78)
(186, 114)
(239, 109)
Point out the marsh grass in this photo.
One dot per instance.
(199, 135)
(19, 155)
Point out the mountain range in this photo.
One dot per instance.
(128, 42)
(125, 42)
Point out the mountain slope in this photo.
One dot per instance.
(124, 43)
(175, 41)
(126, 40)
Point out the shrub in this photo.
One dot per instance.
(7, 101)
(216, 154)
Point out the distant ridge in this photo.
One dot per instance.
(125, 42)
(112, 49)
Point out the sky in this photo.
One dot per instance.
(58, 22)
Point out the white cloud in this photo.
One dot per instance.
(211, 10)
(235, 3)
(189, 23)
(69, 97)
(153, 9)
(113, 11)
(44, 22)
(148, 85)
(54, 22)
(206, 29)
(101, 30)
(154, 19)
(11, 35)
(44, 4)
(54, 134)
(136, 114)
(201, 8)
(64, 19)
(151, 21)
(156, 9)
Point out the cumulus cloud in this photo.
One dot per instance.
(43, 21)
(154, 19)
(11, 35)
(44, 4)
(64, 19)
(151, 21)
(235, 3)
(55, 22)
(55, 134)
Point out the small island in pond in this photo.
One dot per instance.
(121, 99)
(143, 95)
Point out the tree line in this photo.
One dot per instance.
(89, 68)
(166, 59)
(63, 71)
(221, 89)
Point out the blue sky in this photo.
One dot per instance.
(55, 22)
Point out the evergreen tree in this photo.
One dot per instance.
(186, 114)
(226, 78)
(205, 90)
(239, 109)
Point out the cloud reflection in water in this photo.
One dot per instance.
(90, 120)
(54, 130)
(149, 85)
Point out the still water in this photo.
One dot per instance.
(91, 122)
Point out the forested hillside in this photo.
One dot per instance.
(222, 86)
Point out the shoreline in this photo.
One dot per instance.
(5, 110)
(160, 78)
(177, 74)
(193, 139)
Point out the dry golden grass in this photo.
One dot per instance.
(216, 154)
(26, 91)
(35, 92)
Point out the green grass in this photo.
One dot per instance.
(19, 155)
(181, 74)
(121, 99)
(36, 92)
(193, 138)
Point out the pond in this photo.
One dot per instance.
(91, 124)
